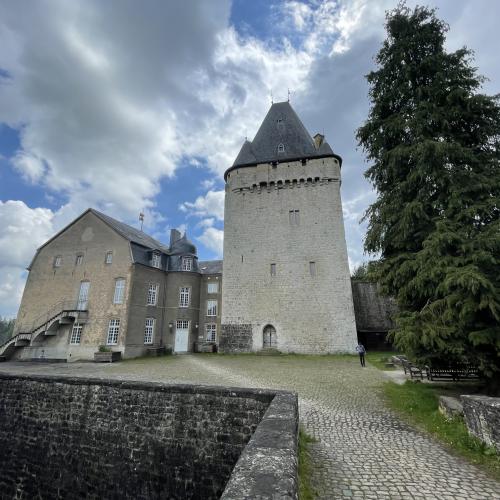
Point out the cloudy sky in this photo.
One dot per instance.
(131, 106)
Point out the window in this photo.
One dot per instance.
(156, 260)
(182, 324)
(83, 296)
(273, 269)
(211, 308)
(149, 329)
(211, 331)
(152, 294)
(187, 263)
(113, 330)
(119, 291)
(312, 268)
(79, 260)
(294, 217)
(109, 258)
(76, 334)
(281, 148)
(57, 261)
(184, 296)
(213, 287)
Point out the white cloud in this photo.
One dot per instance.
(213, 239)
(210, 205)
(23, 230)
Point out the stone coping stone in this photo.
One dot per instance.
(450, 407)
(268, 465)
(482, 416)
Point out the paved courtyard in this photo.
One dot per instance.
(362, 449)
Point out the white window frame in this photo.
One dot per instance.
(109, 258)
(211, 332)
(79, 259)
(76, 334)
(119, 294)
(149, 330)
(58, 261)
(211, 307)
(187, 263)
(113, 331)
(156, 260)
(182, 324)
(184, 296)
(281, 148)
(152, 296)
(213, 287)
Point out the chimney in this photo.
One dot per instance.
(318, 140)
(174, 236)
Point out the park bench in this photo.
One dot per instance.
(411, 369)
(454, 373)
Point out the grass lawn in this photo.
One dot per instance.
(379, 359)
(306, 491)
(418, 404)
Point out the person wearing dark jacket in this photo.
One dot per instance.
(360, 349)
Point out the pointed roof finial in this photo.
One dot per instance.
(272, 102)
(288, 90)
(141, 218)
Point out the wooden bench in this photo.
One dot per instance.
(411, 369)
(455, 373)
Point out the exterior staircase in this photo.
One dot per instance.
(45, 325)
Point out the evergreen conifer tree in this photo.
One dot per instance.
(433, 141)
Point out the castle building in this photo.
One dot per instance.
(286, 283)
(100, 282)
(286, 275)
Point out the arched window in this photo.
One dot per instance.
(270, 339)
(281, 148)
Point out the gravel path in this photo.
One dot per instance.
(362, 449)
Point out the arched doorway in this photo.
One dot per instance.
(270, 339)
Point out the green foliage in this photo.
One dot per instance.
(434, 145)
(365, 272)
(104, 348)
(306, 491)
(6, 329)
(418, 403)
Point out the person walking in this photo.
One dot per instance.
(360, 349)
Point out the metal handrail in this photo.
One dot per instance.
(53, 311)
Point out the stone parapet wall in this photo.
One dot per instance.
(91, 438)
(235, 338)
(482, 416)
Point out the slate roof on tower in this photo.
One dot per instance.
(281, 137)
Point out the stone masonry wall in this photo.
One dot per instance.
(84, 438)
(482, 416)
(235, 338)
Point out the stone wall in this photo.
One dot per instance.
(482, 416)
(235, 338)
(373, 311)
(74, 438)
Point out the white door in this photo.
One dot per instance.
(181, 335)
(83, 296)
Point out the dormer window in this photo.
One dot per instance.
(281, 148)
(156, 260)
(187, 264)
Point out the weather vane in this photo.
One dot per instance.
(288, 90)
(141, 218)
(272, 97)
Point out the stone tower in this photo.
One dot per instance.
(286, 275)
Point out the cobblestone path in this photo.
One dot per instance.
(362, 450)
